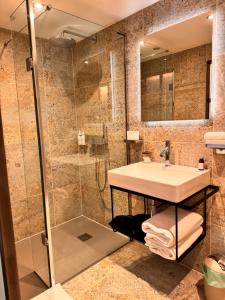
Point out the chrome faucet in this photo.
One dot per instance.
(166, 153)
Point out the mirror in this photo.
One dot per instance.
(176, 71)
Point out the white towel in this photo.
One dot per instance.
(214, 135)
(215, 142)
(161, 227)
(170, 253)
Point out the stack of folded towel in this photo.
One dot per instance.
(161, 232)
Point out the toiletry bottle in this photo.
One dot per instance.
(79, 138)
(82, 138)
(201, 164)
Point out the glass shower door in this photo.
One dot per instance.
(29, 142)
(83, 93)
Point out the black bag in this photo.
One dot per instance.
(130, 225)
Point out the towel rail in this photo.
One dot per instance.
(189, 203)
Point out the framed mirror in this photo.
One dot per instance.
(176, 71)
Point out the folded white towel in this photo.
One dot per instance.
(161, 227)
(215, 142)
(170, 253)
(214, 135)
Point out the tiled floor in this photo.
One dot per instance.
(55, 293)
(77, 244)
(134, 273)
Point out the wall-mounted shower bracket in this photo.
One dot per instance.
(29, 64)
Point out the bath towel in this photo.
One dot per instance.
(170, 253)
(161, 227)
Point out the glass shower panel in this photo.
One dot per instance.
(101, 114)
(82, 81)
(35, 212)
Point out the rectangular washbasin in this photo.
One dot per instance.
(174, 183)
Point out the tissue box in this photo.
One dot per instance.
(132, 135)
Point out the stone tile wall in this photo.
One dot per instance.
(186, 138)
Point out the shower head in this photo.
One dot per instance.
(67, 38)
(63, 41)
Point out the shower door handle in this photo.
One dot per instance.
(29, 63)
(44, 239)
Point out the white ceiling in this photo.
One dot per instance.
(103, 12)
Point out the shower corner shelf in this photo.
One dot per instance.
(189, 203)
(133, 141)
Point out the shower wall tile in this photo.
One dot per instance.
(16, 175)
(10, 114)
(21, 51)
(27, 113)
(92, 203)
(67, 203)
(36, 213)
(88, 72)
(64, 146)
(64, 173)
(20, 219)
(32, 169)
(7, 74)
(87, 48)
(60, 128)
(57, 66)
(60, 114)
(104, 65)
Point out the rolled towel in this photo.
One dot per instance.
(170, 253)
(161, 227)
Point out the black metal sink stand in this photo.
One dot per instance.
(189, 203)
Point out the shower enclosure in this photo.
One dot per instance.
(71, 92)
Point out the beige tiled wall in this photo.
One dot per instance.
(186, 139)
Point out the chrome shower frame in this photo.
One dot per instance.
(40, 136)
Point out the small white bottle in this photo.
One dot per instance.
(201, 163)
(83, 138)
(79, 138)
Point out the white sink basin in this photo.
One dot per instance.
(173, 183)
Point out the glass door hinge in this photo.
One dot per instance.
(44, 239)
(29, 63)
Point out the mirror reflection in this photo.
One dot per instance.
(176, 71)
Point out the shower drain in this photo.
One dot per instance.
(85, 237)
